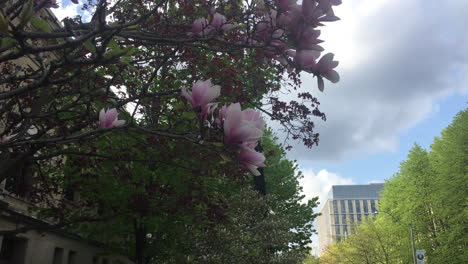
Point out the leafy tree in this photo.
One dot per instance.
(282, 177)
(409, 198)
(372, 242)
(429, 192)
(449, 158)
(311, 259)
(176, 73)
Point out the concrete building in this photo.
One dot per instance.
(345, 207)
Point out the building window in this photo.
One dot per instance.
(58, 256)
(372, 206)
(12, 249)
(366, 207)
(343, 208)
(359, 217)
(71, 257)
(337, 218)
(343, 219)
(335, 206)
(345, 231)
(337, 230)
(350, 206)
(358, 206)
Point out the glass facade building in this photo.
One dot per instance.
(346, 206)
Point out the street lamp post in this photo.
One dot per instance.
(410, 224)
(412, 242)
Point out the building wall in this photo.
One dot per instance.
(34, 247)
(340, 215)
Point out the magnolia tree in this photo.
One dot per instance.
(187, 81)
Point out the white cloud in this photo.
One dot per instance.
(319, 184)
(395, 63)
(62, 11)
(374, 181)
(71, 10)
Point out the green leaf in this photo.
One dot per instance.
(225, 157)
(89, 46)
(126, 60)
(3, 25)
(41, 24)
(189, 115)
(26, 13)
(218, 144)
(133, 27)
(113, 45)
(7, 41)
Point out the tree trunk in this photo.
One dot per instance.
(140, 243)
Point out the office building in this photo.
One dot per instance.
(345, 207)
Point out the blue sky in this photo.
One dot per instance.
(382, 165)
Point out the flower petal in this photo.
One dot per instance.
(102, 118)
(111, 116)
(321, 85)
(332, 76)
(118, 123)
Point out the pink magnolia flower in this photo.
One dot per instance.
(200, 27)
(254, 116)
(326, 5)
(276, 47)
(251, 159)
(308, 39)
(207, 110)
(329, 16)
(308, 7)
(291, 19)
(108, 118)
(324, 68)
(203, 92)
(221, 116)
(317, 11)
(306, 59)
(262, 30)
(247, 41)
(271, 18)
(286, 5)
(240, 127)
(218, 20)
